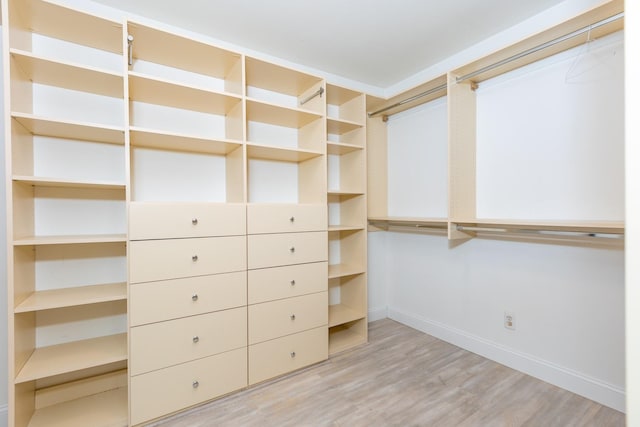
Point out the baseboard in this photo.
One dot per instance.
(591, 388)
(4, 415)
(377, 314)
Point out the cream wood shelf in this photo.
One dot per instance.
(340, 314)
(339, 148)
(150, 138)
(69, 129)
(70, 240)
(53, 20)
(155, 90)
(106, 409)
(74, 356)
(417, 222)
(339, 126)
(342, 193)
(342, 270)
(612, 227)
(279, 79)
(345, 227)
(48, 71)
(265, 112)
(344, 339)
(56, 182)
(70, 297)
(271, 152)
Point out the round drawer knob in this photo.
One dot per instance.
(194, 297)
(293, 317)
(293, 354)
(292, 249)
(292, 219)
(196, 339)
(194, 258)
(293, 283)
(194, 221)
(195, 384)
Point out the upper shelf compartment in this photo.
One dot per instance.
(171, 56)
(282, 86)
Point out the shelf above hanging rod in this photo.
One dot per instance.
(319, 92)
(608, 234)
(408, 100)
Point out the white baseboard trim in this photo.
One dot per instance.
(4, 415)
(377, 314)
(575, 382)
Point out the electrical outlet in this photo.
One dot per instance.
(509, 320)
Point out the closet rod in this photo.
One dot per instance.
(319, 92)
(540, 47)
(539, 232)
(405, 101)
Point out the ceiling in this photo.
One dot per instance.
(375, 42)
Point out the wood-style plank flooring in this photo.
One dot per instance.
(402, 378)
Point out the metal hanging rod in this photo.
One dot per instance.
(319, 92)
(559, 233)
(541, 47)
(405, 101)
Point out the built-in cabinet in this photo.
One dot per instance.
(172, 236)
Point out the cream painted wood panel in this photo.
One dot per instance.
(279, 218)
(152, 260)
(274, 319)
(164, 344)
(276, 357)
(174, 220)
(270, 284)
(168, 390)
(170, 299)
(272, 250)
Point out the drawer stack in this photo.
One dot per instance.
(188, 305)
(287, 288)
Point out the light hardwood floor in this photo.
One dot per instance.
(402, 378)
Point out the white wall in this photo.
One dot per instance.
(548, 147)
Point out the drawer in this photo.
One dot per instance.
(159, 345)
(274, 319)
(270, 284)
(170, 299)
(276, 357)
(174, 220)
(285, 218)
(168, 390)
(152, 260)
(272, 250)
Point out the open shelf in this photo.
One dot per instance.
(340, 314)
(70, 240)
(343, 193)
(70, 297)
(414, 222)
(74, 356)
(345, 227)
(340, 148)
(342, 338)
(609, 227)
(149, 138)
(265, 112)
(344, 270)
(48, 71)
(339, 127)
(266, 152)
(70, 129)
(105, 409)
(69, 183)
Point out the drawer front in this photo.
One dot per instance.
(272, 250)
(168, 390)
(164, 344)
(285, 218)
(174, 220)
(284, 317)
(270, 284)
(152, 260)
(170, 299)
(276, 357)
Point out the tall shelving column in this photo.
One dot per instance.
(187, 223)
(347, 211)
(66, 189)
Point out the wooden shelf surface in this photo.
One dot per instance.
(340, 148)
(339, 314)
(74, 356)
(68, 129)
(48, 71)
(417, 222)
(344, 339)
(339, 126)
(343, 193)
(106, 409)
(150, 138)
(612, 227)
(337, 95)
(276, 78)
(70, 297)
(265, 112)
(155, 90)
(68, 183)
(70, 240)
(271, 152)
(343, 270)
(344, 227)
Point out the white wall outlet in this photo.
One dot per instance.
(509, 320)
